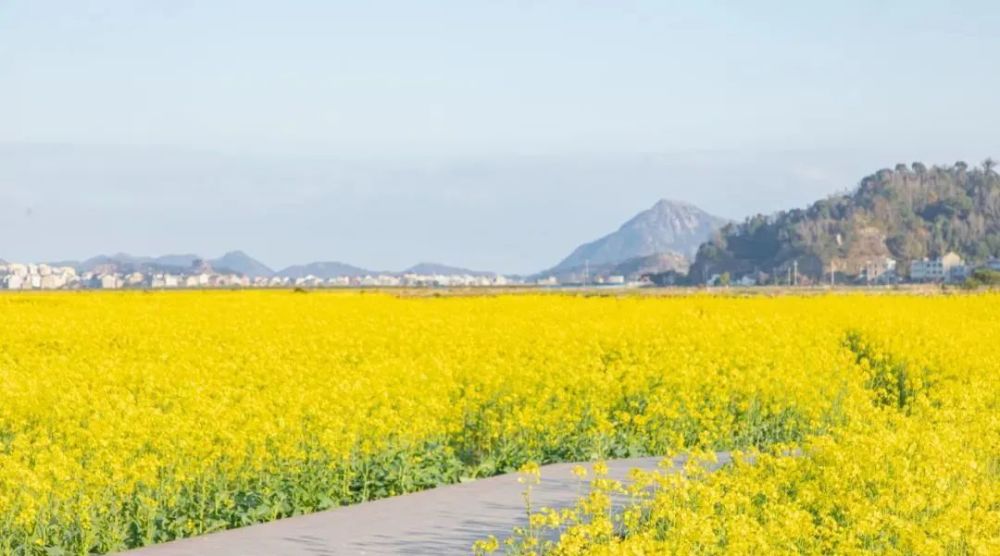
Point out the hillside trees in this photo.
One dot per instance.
(905, 213)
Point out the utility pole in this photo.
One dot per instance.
(795, 272)
(586, 271)
(832, 279)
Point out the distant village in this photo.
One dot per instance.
(949, 268)
(41, 276)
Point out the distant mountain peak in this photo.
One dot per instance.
(239, 262)
(324, 270)
(669, 226)
(428, 268)
(666, 204)
(678, 215)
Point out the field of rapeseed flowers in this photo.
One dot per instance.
(133, 418)
(912, 465)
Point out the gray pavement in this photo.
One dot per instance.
(444, 520)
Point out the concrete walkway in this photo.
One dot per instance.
(444, 520)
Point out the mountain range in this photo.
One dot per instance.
(906, 213)
(235, 261)
(238, 262)
(658, 239)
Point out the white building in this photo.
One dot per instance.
(164, 281)
(110, 281)
(309, 281)
(14, 281)
(51, 281)
(934, 270)
(17, 269)
(134, 279)
(882, 270)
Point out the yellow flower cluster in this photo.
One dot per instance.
(133, 418)
(911, 466)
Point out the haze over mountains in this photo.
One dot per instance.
(515, 215)
(661, 238)
(327, 270)
(906, 213)
(239, 262)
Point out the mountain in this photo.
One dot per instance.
(668, 228)
(906, 213)
(325, 270)
(436, 268)
(240, 263)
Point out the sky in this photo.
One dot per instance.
(485, 134)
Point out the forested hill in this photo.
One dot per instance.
(907, 213)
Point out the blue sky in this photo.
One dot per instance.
(479, 133)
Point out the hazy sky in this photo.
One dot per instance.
(495, 134)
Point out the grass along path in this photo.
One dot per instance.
(444, 520)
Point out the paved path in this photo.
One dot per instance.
(444, 520)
